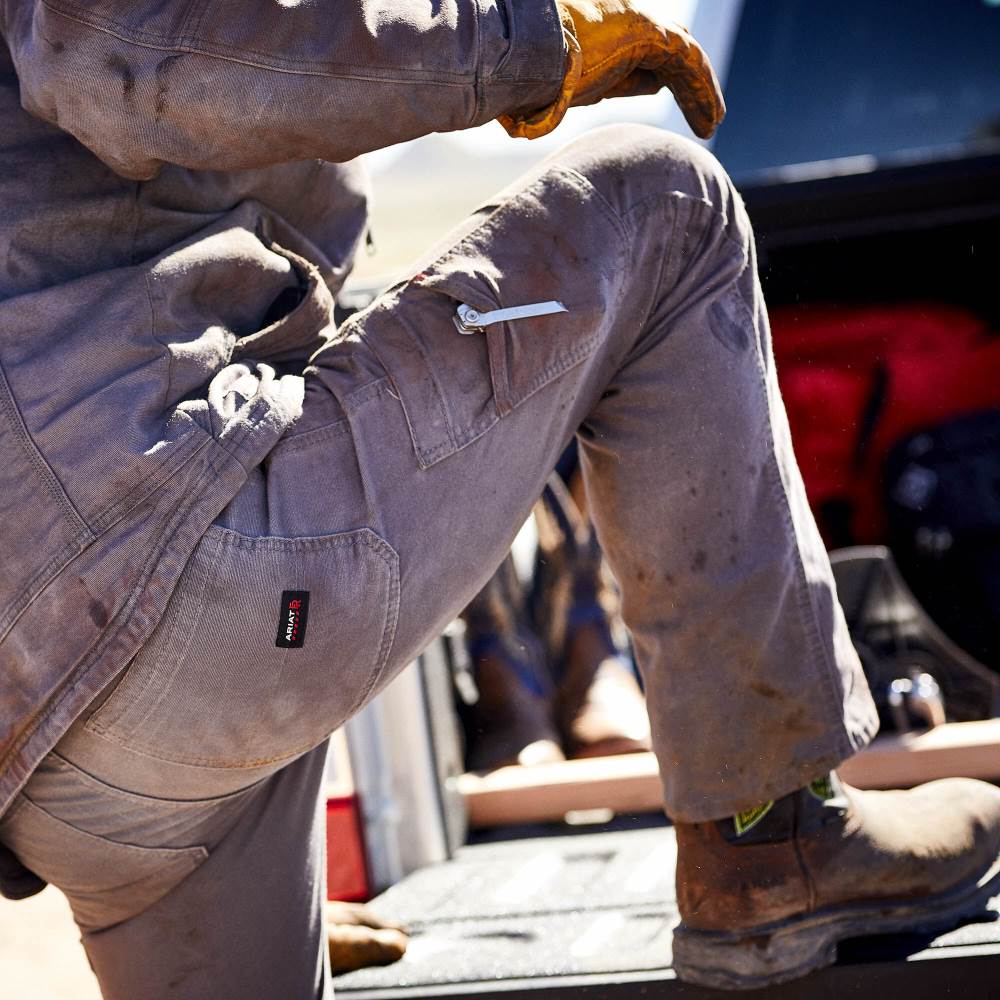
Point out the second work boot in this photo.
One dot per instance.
(599, 705)
(511, 722)
(765, 896)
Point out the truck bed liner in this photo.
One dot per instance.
(591, 916)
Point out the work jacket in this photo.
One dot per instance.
(177, 211)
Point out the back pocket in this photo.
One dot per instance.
(267, 646)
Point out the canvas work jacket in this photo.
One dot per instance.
(177, 211)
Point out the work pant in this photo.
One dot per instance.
(183, 825)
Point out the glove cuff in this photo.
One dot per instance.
(544, 120)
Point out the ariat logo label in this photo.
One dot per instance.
(293, 618)
(744, 822)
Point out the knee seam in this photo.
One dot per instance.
(606, 206)
(720, 219)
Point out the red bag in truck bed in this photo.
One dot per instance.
(858, 378)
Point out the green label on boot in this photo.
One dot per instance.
(821, 788)
(747, 820)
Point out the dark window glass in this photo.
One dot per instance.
(815, 81)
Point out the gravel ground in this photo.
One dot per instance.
(40, 953)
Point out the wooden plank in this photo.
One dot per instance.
(958, 749)
(546, 792)
(631, 783)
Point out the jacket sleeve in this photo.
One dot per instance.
(232, 84)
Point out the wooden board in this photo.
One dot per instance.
(631, 783)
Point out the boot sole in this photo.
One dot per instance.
(787, 949)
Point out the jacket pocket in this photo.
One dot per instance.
(268, 645)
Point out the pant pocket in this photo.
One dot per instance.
(268, 645)
(106, 881)
(551, 242)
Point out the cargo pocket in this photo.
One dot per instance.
(536, 248)
(268, 645)
(105, 881)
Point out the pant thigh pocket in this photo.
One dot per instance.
(267, 646)
(554, 241)
(106, 881)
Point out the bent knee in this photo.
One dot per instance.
(631, 165)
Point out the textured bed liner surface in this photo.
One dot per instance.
(591, 916)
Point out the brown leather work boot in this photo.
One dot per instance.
(599, 707)
(765, 896)
(511, 720)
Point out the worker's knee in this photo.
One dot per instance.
(637, 167)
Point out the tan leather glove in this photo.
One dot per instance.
(622, 48)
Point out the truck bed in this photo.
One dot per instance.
(590, 915)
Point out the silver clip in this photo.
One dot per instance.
(469, 320)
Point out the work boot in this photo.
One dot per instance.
(510, 721)
(766, 895)
(599, 708)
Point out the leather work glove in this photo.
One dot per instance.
(623, 48)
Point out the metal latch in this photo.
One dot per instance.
(470, 320)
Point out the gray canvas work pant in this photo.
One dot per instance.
(180, 816)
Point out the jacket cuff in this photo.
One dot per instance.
(522, 57)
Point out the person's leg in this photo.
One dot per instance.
(598, 706)
(662, 362)
(202, 899)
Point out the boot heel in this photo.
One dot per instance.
(725, 961)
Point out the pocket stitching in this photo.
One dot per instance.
(391, 558)
(100, 723)
(196, 854)
(104, 788)
(438, 390)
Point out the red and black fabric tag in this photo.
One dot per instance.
(293, 619)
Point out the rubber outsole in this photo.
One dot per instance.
(787, 949)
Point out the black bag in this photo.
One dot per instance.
(942, 491)
(914, 670)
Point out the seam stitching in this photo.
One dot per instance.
(807, 611)
(49, 480)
